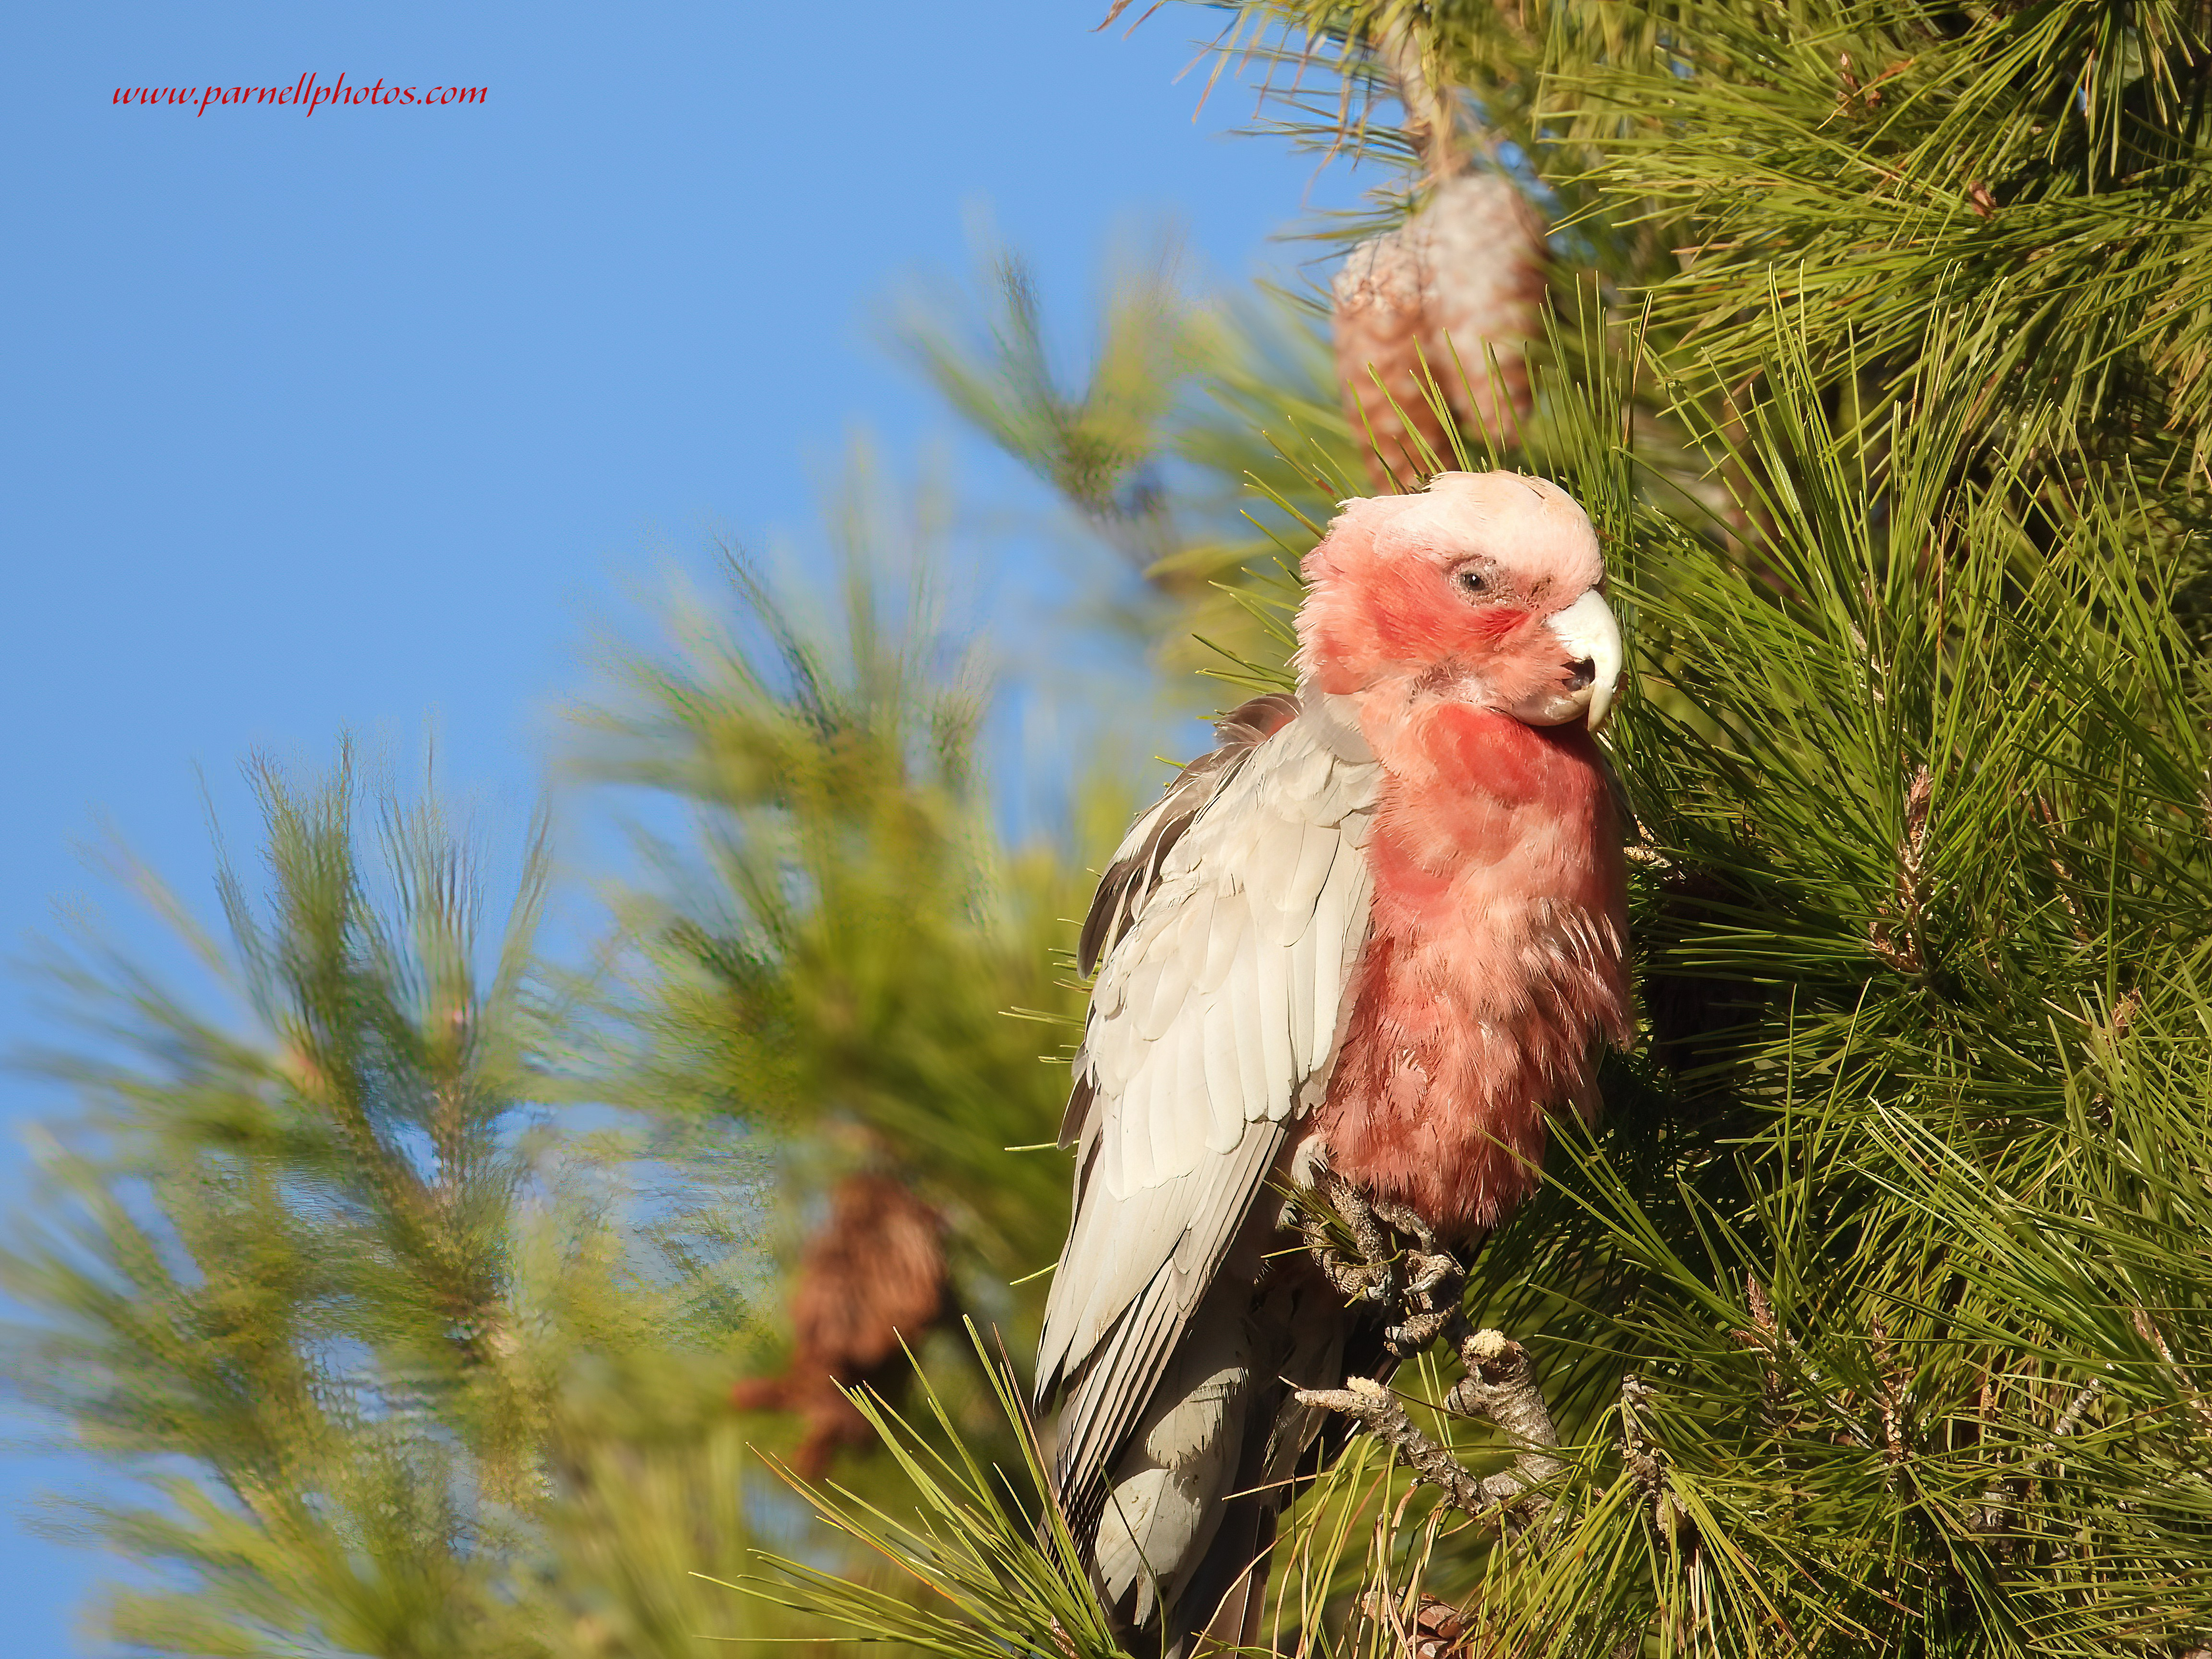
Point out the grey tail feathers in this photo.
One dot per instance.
(1221, 1605)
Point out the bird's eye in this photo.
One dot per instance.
(1473, 583)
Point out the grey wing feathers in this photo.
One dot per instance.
(1226, 933)
(1135, 869)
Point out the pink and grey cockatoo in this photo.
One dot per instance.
(1366, 943)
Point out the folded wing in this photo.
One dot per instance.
(1226, 933)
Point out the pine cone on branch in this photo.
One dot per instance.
(1457, 284)
(872, 1273)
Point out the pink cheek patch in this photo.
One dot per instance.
(1493, 623)
(1399, 634)
(1418, 620)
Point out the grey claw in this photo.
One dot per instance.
(1418, 1331)
(1408, 1221)
(1433, 1270)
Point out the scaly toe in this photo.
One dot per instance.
(1408, 1221)
(1433, 1270)
(1418, 1333)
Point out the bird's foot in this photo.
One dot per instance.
(1369, 1272)
(1366, 1272)
(1429, 1303)
(1499, 1388)
(1397, 1263)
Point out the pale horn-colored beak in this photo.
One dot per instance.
(1588, 632)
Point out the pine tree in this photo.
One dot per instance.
(829, 976)
(1874, 1315)
(1202, 432)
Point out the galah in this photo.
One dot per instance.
(1366, 943)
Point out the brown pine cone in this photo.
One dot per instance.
(1465, 275)
(874, 1274)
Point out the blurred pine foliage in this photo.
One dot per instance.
(830, 965)
(400, 1364)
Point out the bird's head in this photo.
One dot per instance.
(1487, 589)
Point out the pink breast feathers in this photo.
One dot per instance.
(1494, 967)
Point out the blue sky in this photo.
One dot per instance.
(368, 419)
